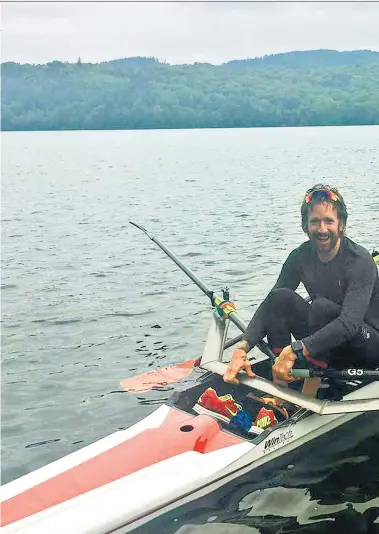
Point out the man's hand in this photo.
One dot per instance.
(238, 363)
(284, 364)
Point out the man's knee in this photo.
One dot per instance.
(322, 311)
(281, 296)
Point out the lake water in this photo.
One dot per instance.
(83, 291)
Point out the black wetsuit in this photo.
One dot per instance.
(341, 324)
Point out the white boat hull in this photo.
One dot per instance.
(207, 458)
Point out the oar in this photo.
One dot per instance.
(228, 311)
(159, 377)
(178, 262)
(345, 374)
(168, 375)
(164, 376)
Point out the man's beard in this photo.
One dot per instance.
(324, 243)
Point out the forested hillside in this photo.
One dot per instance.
(321, 87)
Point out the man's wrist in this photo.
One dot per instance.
(243, 345)
(305, 350)
(299, 349)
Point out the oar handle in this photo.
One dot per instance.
(300, 373)
(345, 374)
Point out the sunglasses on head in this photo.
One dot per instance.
(326, 193)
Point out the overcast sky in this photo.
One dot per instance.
(181, 32)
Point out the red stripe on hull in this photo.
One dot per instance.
(145, 449)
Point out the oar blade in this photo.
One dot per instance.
(159, 377)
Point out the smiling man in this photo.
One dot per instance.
(340, 325)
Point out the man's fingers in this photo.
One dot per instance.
(230, 376)
(283, 375)
(232, 371)
(230, 380)
(234, 368)
(287, 378)
(249, 371)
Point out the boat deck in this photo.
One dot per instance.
(185, 399)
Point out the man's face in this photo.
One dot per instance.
(324, 228)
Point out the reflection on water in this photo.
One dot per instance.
(321, 488)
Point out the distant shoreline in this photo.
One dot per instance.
(297, 89)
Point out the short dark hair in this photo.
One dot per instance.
(317, 195)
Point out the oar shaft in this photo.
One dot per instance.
(346, 374)
(261, 345)
(233, 316)
(204, 288)
(232, 341)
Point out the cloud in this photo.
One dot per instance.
(181, 32)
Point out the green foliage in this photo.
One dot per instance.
(321, 87)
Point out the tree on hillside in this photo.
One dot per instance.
(295, 89)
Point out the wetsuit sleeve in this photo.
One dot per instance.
(289, 275)
(289, 278)
(361, 278)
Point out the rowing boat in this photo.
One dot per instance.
(175, 455)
